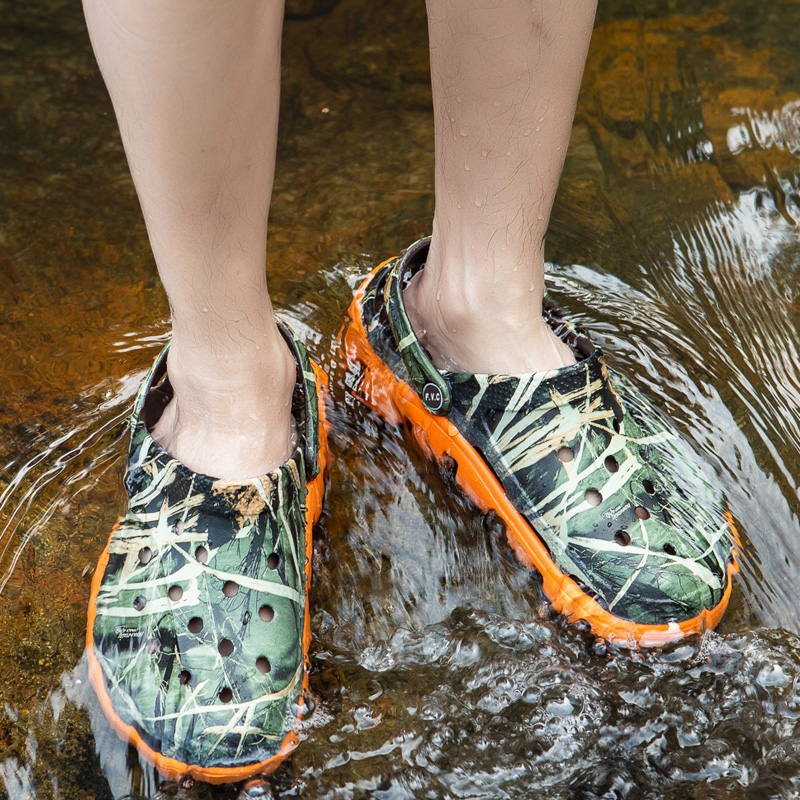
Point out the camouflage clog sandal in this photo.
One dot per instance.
(596, 491)
(198, 629)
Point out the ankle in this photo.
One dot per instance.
(466, 329)
(229, 417)
(215, 384)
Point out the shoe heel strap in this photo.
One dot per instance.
(428, 383)
(305, 374)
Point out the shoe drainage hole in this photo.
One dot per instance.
(565, 455)
(266, 613)
(649, 486)
(670, 550)
(184, 676)
(593, 497)
(448, 466)
(140, 602)
(179, 527)
(145, 554)
(492, 523)
(582, 626)
(175, 593)
(262, 662)
(230, 588)
(195, 625)
(642, 512)
(273, 560)
(201, 554)
(256, 789)
(611, 464)
(584, 587)
(225, 695)
(225, 647)
(622, 538)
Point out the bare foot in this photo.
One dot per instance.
(230, 417)
(477, 340)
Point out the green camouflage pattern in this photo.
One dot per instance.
(604, 480)
(201, 611)
(421, 371)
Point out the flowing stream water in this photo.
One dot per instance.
(439, 670)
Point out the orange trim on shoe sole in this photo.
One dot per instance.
(171, 768)
(438, 437)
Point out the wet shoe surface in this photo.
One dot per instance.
(199, 619)
(598, 477)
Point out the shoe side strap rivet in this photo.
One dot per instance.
(432, 397)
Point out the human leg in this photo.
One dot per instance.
(195, 87)
(505, 83)
(198, 626)
(592, 487)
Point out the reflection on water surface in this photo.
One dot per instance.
(438, 669)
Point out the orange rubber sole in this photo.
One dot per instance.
(171, 768)
(439, 438)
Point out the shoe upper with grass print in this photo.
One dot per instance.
(598, 492)
(198, 622)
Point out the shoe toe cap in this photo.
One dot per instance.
(655, 571)
(205, 691)
(201, 716)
